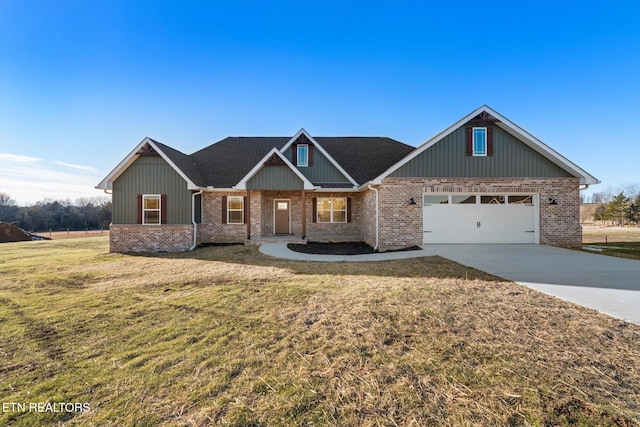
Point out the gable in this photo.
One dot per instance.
(275, 177)
(511, 158)
(320, 170)
(150, 174)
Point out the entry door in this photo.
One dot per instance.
(281, 216)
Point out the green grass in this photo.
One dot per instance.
(228, 336)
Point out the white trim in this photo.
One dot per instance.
(473, 141)
(288, 214)
(159, 210)
(298, 164)
(322, 150)
(507, 126)
(107, 182)
(242, 184)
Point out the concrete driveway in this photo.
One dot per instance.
(607, 284)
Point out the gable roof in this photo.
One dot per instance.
(242, 184)
(177, 160)
(486, 113)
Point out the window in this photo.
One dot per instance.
(463, 200)
(435, 200)
(521, 200)
(479, 141)
(235, 210)
(303, 155)
(492, 200)
(151, 209)
(332, 210)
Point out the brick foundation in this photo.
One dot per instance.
(150, 238)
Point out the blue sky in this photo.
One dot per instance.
(82, 82)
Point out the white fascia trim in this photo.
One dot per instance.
(107, 182)
(242, 184)
(508, 126)
(322, 150)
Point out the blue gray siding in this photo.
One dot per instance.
(150, 175)
(511, 159)
(275, 178)
(322, 170)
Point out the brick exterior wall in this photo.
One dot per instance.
(212, 230)
(401, 223)
(336, 231)
(368, 221)
(150, 238)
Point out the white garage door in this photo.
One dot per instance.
(475, 218)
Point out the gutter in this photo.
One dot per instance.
(193, 219)
(375, 248)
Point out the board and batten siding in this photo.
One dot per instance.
(278, 177)
(322, 171)
(150, 175)
(511, 159)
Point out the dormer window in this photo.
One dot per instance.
(303, 155)
(479, 141)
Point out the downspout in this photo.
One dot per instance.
(193, 219)
(375, 248)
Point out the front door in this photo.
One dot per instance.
(281, 215)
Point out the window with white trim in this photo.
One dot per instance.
(479, 141)
(235, 210)
(332, 209)
(151, 209)
(303, 155)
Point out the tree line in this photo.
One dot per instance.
(620, 210)
(84, 214)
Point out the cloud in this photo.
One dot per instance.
(29, 179)
(81, 167)
(16, 158)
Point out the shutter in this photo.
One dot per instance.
(348, 209)
(139, 220)
(469, 142)
(245, 210)
(294, 154)
(310, 154)
(163, 209)
(314, 209)
(224, 209)
(489, 141)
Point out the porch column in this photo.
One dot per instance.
(247, 214)
(304, 214)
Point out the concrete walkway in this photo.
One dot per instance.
(607, 284)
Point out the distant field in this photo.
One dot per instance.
(57, 235)
(614, 241)
(228, 336)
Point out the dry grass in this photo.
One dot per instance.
(227, 336)
(57, 235)
(614, 241)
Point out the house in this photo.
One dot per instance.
(481, 180)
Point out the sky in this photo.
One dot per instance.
(82, 82)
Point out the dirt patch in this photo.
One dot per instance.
(342, 248)
(12, 233)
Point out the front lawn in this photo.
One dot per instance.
(228, 336)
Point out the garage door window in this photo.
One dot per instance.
(521, 200)
(457, 200)
(436, 200)
(492, 200)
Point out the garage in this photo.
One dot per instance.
(480, 218)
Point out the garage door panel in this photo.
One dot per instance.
(479, 223)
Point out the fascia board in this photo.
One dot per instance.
(242, 184)
(322, 150)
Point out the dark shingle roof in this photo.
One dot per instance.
(224, 163)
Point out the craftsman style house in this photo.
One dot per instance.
(482, 180)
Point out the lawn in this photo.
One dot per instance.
(228, 336)
(623, 242)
